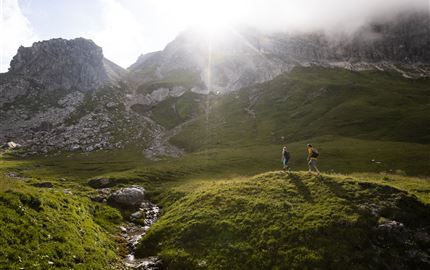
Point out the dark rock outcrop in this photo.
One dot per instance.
(43, 185)
(98, 183)
(65, 64)
(64, 95)
(101, 183)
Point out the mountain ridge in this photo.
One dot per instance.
(246, 56)
(65, 95)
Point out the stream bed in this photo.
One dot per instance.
(133, 232)
(136, 225)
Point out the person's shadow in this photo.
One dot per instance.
(301, 187)
(336, 188)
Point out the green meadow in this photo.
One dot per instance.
(227, 204)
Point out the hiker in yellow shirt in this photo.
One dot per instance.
(312, 158)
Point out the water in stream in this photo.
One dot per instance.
(133, 232)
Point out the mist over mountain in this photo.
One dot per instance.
(127, 28)
(332, 16)
(236, 58)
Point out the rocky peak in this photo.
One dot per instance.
(144, 59)
(61, 63)
(244, 57)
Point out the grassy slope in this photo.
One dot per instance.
(176, 110)
(294, 221)
(216, 212)
(395, 157)
(48, 228)
(312, 102)
(283, 221)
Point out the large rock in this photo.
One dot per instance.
(130, 196)
(12, 145)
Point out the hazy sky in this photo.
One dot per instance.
(127, 28)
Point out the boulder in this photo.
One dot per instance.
(130, 196)
(12, 145)
(75, 147)
(150, 263)
(136, 215)
(391, 226)
(111, 105)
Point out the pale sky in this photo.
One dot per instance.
(127, 28)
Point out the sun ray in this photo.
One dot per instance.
(247, 43)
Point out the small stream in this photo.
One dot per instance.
(133, 232)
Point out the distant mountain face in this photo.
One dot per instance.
(64, 95)
(403, 39)
(243, 57)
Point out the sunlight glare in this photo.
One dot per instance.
(209, 16)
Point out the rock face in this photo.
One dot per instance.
(65, 64)
(245, 57)
(64, 95)
(403, 39)
(193, 61)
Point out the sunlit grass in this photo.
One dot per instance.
(214, 193)
(275, 220)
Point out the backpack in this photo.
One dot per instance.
(315, 153)
(286, 155)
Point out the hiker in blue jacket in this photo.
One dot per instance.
(285, 158)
